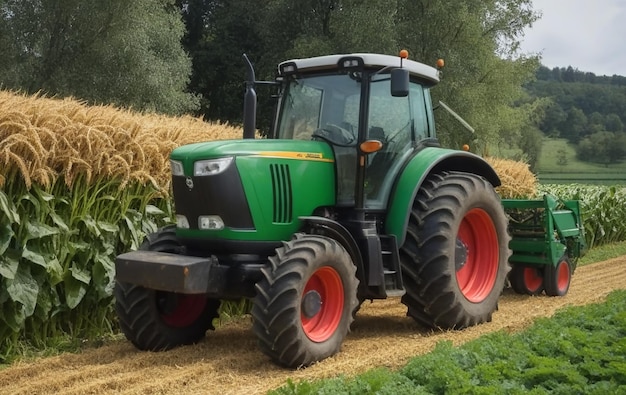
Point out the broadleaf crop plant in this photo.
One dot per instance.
(603, 210)
(78, 185)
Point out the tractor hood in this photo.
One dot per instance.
(247, 195)
(279, 149)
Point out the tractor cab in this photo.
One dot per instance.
(373, 110)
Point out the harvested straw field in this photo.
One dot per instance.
(228, 361)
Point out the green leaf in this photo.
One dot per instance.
(74, 291)
(108, 227)
(154, 210)
(77, 246)
(8, 209)
(29, 198)
(34, 257)
(58, 221)
(6, 234)
(44, 303)
(13, 315)
(46, 260)
(104, 275)
(55, 270)
(43, 195)
(9, 261)
(37, 230)
(131, 224)
(23, 289)
(81, 275)
(91, 225)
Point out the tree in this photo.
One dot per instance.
(127, 53)
(561, 157)
(531, 145)
(484, 73)
(219, 33)
(554, 116)
(574, 125)
(478, 40)
(569, 75)
(603, 147)
(613, 123)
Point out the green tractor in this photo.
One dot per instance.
(351, 198)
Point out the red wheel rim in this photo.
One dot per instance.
(327, 283)
(532, 279)
(184, 309)
(477, 276)
(563, 276)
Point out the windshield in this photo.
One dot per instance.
(326, 103)
(326, 108)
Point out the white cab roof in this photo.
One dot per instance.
(369, 60)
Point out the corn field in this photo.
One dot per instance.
(603, 210)
(78, 185)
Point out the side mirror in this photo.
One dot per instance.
(399, 82)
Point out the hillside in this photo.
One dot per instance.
(573, 170)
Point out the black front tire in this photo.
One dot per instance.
(305, 301)
(455, 257)
(157, 320)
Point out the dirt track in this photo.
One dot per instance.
(228, 362)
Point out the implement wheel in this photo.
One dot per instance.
(304, 303)
(157, 320)
(526, 280)
(558, 278)
(455, 256)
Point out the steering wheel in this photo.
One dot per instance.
(335, 135)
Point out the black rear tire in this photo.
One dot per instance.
(455, 257)
(558, 278)
(157, 320)
(305, 301)
(526, 280)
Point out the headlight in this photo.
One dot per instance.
(177, 168)
(211, 167)
(182, 222)
(210, 222)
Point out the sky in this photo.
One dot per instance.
(589, 35)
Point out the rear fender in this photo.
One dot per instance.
(428, 161)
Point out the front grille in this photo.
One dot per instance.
(281, 184)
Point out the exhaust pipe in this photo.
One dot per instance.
(249, 103)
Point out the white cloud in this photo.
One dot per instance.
(585, 34)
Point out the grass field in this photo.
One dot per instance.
(574, 171)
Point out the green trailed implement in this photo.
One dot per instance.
(547, 240)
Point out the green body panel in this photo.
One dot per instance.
(308, 181)
(415, 172)
(188, 154)
(543, 230)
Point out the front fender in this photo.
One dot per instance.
(428, 161)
